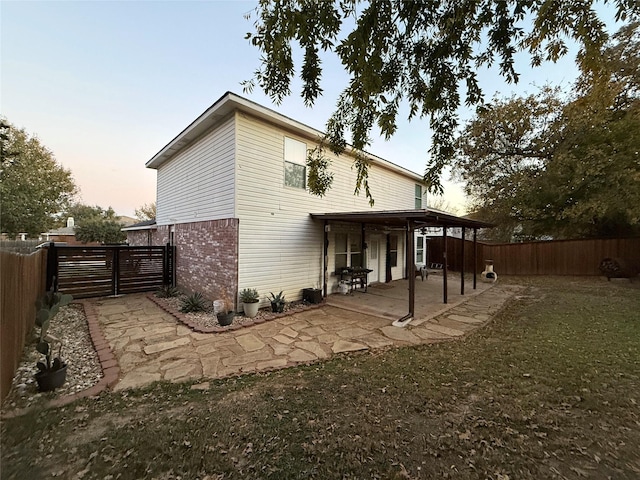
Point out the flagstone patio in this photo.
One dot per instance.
(152, 345)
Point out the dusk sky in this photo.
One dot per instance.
(105, 85)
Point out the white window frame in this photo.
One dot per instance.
(295, 156)
(350, 237)
(418, 196)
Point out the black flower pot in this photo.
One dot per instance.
(225, 319)
(312, 295)
(51, 379)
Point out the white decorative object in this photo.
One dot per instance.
(488, 275)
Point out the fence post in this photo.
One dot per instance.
(174, 251)
(52, 266)
(169, 264)
(115, 272)
(165, 264)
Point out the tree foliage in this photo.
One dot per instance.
(33, 186)
(82, 213)
(100, 230)
(425, 53)
(94, 224)
(546, 165)
(146, 212)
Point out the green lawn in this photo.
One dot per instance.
(549, 389)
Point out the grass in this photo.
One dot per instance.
(549, 389)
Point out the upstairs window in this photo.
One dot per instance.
(418, 196)
(295, 156)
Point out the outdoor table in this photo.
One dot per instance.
(355, 276)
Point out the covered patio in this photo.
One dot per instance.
(385, 300)
(406, 221)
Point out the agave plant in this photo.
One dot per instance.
(277, 302)
(194, 303)
(167, 291)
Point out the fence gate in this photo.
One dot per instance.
(109, 270)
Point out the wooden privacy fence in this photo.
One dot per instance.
(22, 282)
(555, 257)
(110, 269)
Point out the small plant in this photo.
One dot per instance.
(277, 302)
(194, 303)
(48, 307)
(249, 295)
(251, 302)
(225, 317)
(167, 291)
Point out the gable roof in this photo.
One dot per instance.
(230, 102)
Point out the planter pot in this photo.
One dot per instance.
(51, 380)
(225, 319)
(251, 309)
(277, 307)
(312, 295)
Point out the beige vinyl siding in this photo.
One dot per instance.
(280, 246)
(198, 183)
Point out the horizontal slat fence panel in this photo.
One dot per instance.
(141, 269)
(110, 270)
(555, 257)
(85, 271)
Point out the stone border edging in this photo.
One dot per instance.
(108, 361)
(108, 365)
(181, 317)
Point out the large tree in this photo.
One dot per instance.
(146, 212)
(426, 53)
(82, 213)
(566, 167)
(94, 224)
(34, 187)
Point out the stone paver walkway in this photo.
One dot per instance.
(151, 345)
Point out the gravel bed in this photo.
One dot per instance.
(208, 318)
(83, 371)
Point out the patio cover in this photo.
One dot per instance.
(409, 221)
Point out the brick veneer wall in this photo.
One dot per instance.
(140, 238)
(206, 255)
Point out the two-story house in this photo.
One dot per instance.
(232, 197)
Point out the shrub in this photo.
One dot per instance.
(167, 291)
(194, 303)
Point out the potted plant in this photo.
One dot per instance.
(225, 317)
(250, 301)
(277, 303)
(52, 373)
